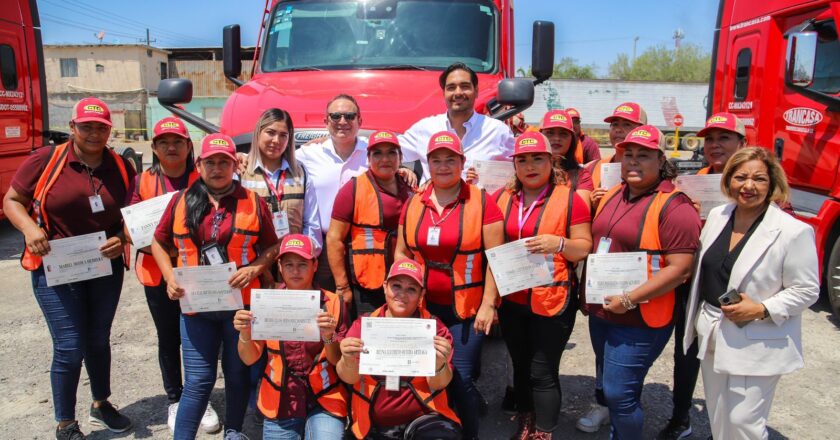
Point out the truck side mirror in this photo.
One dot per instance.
(232, 53)
(175, 91)
(542, 51)
(514, 94)
(801, 57)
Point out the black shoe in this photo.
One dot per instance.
(676, 429)
(69, 432)
(108, 416)
(509, 402)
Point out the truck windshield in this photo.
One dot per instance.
(381, 34)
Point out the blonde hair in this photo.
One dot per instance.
(269, 117)
(779, 189)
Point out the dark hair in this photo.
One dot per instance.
(569, 164)
(457, 66)
(197, 205)
(155, 168)
(347, 97)
(668, 171)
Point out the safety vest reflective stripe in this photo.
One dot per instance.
(368, 239)
(579, 151)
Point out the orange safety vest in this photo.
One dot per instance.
(594, 169)
(703, 171)
(658, 311)
(467, 265)
(241, 248)
(38, 210)
(553, 218)
(332, 394)
(369, 240)
(579, 152)
(365, 392)
(149, 187)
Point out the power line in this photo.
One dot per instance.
(77, 25)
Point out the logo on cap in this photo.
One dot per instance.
(382, 135)
(642, 134)
(558, 117)
(294, 243)
(407, 265)
(718, 120)
(94, 108)
(219, 143)
(444, 138)
(170, 125)
(528, 142)
(624, 109)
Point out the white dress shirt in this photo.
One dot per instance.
(485, 139)
(328, 172)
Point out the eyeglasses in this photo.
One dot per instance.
(349, 116)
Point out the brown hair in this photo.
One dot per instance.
(269, 117)
(558, 177)
(779, 189)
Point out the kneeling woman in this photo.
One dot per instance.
(213, 219)
(419, 409)
(300, 394)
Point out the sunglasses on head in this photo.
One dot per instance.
(349, 116)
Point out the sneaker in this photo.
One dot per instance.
(108, 416)
(676, 429)
(210, 420)
(592, 421)
(69, 432)
(231, 434)
(170, 419)
(509, 402)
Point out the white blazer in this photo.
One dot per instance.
(777, 267)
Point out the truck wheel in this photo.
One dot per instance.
(131, 156)
(669, 141)
(691, 142)
(832, 278)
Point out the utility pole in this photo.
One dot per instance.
(635, 40)
(678, 36)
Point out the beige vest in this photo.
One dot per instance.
(293, 195)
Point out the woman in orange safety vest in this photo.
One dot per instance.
(414, 408)
(363, 230)
(536, 323)
(300, 394)
(214, 222)
(558, 127)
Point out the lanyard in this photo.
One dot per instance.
(217, 222)
(90, 179)
(530, 209)
(442, 217)
(278, 190)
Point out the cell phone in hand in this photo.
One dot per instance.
(730, 298)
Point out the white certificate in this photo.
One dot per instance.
(76, 259)
(703, 189)
(493, 174)
(285, 315)
(398, 347)
(515, 269)
(206, 288)
(612, 274)
(610, 175)
(142, 218)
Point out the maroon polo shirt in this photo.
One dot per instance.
(591, 151)
(394, 408)
(392, 204)
(585, 180)
(679, 233)
(171, 184)
(67, 202)
(438, 281)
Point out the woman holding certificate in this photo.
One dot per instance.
(446, 228)
(558, 127)
(758, 271)
(363, 229)
(536, 323)
(73, 190)
(647, 231)
(393, 407)
(300, 394)
(215, 222)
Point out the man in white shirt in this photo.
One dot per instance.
(482, 137)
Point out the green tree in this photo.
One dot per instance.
(567, 68)
(688, 64)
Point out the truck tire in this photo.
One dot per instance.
(691, 142)
(132, 157)
(832, 279)
(669, 141)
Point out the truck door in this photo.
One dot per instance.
(15, 99)
(742, 80)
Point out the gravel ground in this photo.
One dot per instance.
(802, 398)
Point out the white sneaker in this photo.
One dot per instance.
(170, 420)
(593, 420)
(210, 421)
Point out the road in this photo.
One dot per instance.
(804, 408)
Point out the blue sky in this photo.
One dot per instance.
(589, 31)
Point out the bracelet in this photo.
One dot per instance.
(344, 287)
(562, 246)
(329, 341)
(626, 302)
(439, 370)
(244, 341)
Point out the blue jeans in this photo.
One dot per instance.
(624, 355)
(316, 426)
(466, 355)
(201, 335)
(79, 316)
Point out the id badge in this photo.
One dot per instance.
(604, 245)
(281, 223)
(213, 254)
(392, 383)
(96, 204)
(433, 238)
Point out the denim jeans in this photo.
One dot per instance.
(316, 426)
(79, 316)
(466, 354)
(201, 335)
(624, 355)
(166, 314)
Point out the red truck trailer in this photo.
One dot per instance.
(776, 64)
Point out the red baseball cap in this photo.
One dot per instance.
(630, 111)
(445, 140)
(91, 110)
(724, 121)
(171, 125)
(557, 119)
(530, 142)
(383, 137)
(407, 267)
(646, 136)
(298, 244)
(573, 113)
(217, 143)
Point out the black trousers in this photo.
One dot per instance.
(365, 301)
(166, 315)
(686, 366)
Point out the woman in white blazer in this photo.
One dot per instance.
(770, 259)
